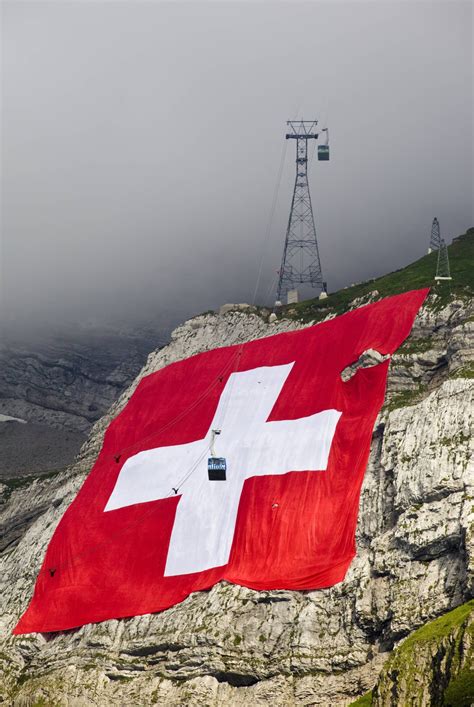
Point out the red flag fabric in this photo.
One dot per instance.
(151, 523)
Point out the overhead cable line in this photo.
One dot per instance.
(232, 365)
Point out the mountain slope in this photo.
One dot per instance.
(232, 645)
(434, 665)
(60, 384)
(415, 276)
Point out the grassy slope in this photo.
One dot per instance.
(402, 663)
(415, 276)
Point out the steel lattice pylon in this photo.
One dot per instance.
(300, 263)
(442, 269)
(435, 240)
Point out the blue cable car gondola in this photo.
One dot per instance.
(323, 150)
(323, 153)
(216, 468)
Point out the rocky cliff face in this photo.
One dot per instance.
(68, 380)
(60, 385)
(232, 645)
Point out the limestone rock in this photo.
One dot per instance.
(68, 382)
(235, 646)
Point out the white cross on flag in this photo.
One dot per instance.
(206, 514)
(151, 525)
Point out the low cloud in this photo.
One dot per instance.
(142, 141)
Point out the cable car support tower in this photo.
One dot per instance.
(301, 263)
(435, 240)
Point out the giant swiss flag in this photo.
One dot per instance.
(148, 527)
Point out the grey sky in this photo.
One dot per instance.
(141, 144)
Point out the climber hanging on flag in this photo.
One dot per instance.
(151, 524)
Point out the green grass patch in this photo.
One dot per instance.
(415, 276)
(439, 628)
(405, 398)
(460, 691)
(363, 701)
(449, 640)
(464, 372)
(456, 441)
(412, 346)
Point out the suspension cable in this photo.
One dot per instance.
(232, 364)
